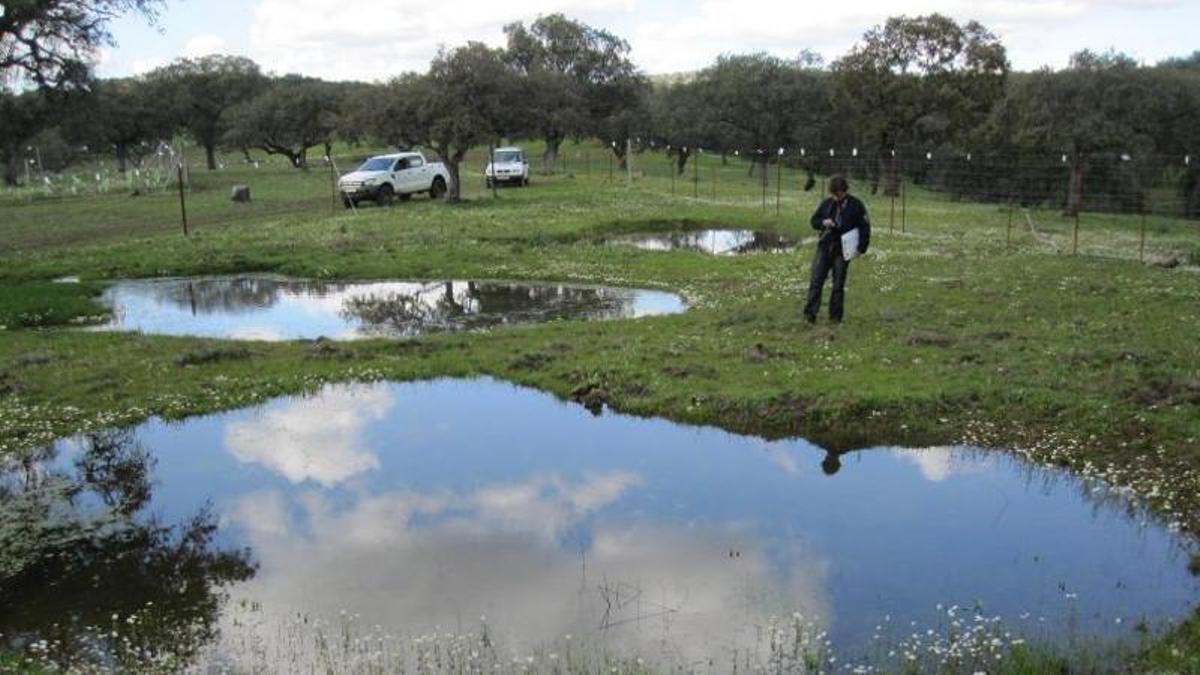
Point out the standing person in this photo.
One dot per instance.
(837, 215)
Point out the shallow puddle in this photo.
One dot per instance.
(425, 507)
(715, 242)
(261, 307)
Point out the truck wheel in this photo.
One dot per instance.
(347, 202)
(438, 189)
(385, 195)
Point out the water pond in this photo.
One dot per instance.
(715, 242)
(440, 506)
(264, 307)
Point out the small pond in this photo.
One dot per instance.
(263, 307)
(715, 242)
(426, 506)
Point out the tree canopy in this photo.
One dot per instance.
(51, 42)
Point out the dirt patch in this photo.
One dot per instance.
(30, 359)
(824, 334)
(9, 384)
(689, 370)
(530, 361)
(760, 352)
(324, 348)
(1167, 392)
(199, 357)
(925, 339)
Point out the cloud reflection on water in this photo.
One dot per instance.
(530, 556)
(316, 439)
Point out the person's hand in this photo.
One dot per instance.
(827, 224)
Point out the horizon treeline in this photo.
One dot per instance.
(911, 88)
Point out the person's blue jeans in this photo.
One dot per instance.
(828, 259)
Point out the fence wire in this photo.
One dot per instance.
(1106, 204)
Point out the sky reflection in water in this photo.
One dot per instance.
(264, 307)
(432, 504)
(715, 242)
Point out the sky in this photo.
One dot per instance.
(377, 39)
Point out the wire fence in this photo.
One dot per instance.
(1110, 204)
(1106, 204)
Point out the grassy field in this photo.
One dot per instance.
(955, 331)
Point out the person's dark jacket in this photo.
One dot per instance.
(853, 215)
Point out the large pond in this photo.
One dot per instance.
(428, 506)
(715, 242)
(264, 307)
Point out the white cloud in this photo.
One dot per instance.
(204, 44)
(317, 438)
(785, 27)
(411, 561)
(142, 66)
(357, 39)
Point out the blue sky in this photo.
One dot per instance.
(357, 39)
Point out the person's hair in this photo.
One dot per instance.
(838, 183)
(831, 463)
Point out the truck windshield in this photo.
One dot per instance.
(377, 164)
(508, 156)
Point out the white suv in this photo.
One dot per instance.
(508, 166)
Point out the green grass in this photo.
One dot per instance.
(954, 332)
(30, 304)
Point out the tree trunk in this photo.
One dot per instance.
(12, 167)
(681, 160)
(1191, 192)
(619, 151)
(122, 158)
(210, 156)
(550, 156)
(1075, 190)
(891, 178)
(453, 193)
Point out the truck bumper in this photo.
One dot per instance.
(518, 178)
(359, 193)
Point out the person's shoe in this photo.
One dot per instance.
(812, 320)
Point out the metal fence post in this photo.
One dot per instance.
(671, 170)
(778, 180)
(182, 200)
(492, 165)
(1142, 245)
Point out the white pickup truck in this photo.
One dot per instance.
(385, 177)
